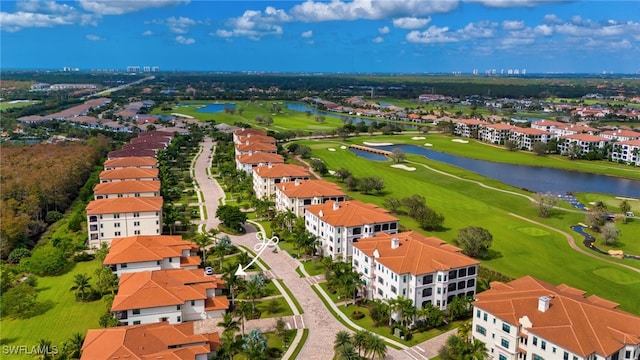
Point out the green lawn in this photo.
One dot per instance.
(519, 247)
(269, 290)
(283, 308)
(293, 298)
(4, 105)
(313, 267)
(64, 317)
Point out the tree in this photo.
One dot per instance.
(281, 331)
(19, 301)
(319, 167)
(254, 289)
(545, 204)
(429, 219)
(352, 183)
(459, 307)
(45, 350)
(229, 324)
(413, 203)
(539, 148)
(574, 151)
(202, 241)
(595, 218)
(107, 320)
(624, 208)
(81, 286)
(424, 130)
(376, 347)
(342, 174)
(398, 155)
(511, 145)
(72, 348)
(17, 254)
(221, 249)
(392, 203)
(610, 233)
(107, 281)
(243, 309)
(474, 241)
(255, 345)
(231, 216)
(341, 340)
(359, 340)
(367, 184)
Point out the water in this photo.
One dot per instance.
(368, 155)
(215, 108)
(532, 178)
(354, 119)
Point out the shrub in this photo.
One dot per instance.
(17, 254)
(357, 315)
(45, 261)
(83, 257)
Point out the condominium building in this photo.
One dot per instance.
(426, 270)
(246, 163)
(132, 161)
(265, 178)
(129, 188)
(626, 151)
(584, 142)
(339, 224)
(531, 319)
(296, 196)
(526, 137)
(129, 173)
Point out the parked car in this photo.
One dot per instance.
(208, 270)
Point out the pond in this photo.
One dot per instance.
(532, 178)
(215, 108)
(368, 155)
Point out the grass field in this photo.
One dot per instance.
(4, 105)
(64, 317)
(519, 247)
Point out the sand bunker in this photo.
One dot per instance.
(343, 147)
(428, 144)
(332, 172)
(403, 167)
(182, 115)
(376, 144)
(460, 141)
(418, 138)
(331, 149)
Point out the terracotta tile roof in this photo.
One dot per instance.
(154, 145)
(256, 146)
(149, 341)
(142, 248)
(156, 133)
(582, 325)
(131, 161)
(260, 157)
(256, 138)
(280, 170)
(216, 303)
(470, 122)
(246, 132)
(128, 186)
(350, 213)
(129, 173)
(309, 189)
(417, 254)
(585, 138)
(622, 133)
(501, 126)
(549, 123)
(190, 261)
(147, 289)
(579, 128)
(124, 205)
(530, 131)
(156, 138)
(630, 142)
(131, 152)
(85, 119)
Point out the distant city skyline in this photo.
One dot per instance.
(361, 36)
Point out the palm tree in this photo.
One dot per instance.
(464, 331)
(242, 309)
(45, 350)
(255, 345)
(347, 352)
(625, 208)
(377, 347)
(359, 340)
(81, 285)
(73, 346)
(253, 290)
(202, 241)
(229, 324)
(233, 281)
(342, 339)
(222, 247)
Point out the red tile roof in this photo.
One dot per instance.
(124, 205)
(549, 123)
(127, 187)
(280, 170)
(260, 158)
(350, 213)
(142, 248)
(131, 152)
(256, 138)
(131, 161)
(585, 138)
(622, 133)
(582, 325)
(245, 132)
(630, 142)
(129, 173)
(501, 126)
(310, 188)
(530, 131)
(148, 289)
(470, 122)
(149, 341)
(417, 254)
(256, 146)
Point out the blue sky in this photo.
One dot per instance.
(393, 36)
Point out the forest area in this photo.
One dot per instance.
(39, 183)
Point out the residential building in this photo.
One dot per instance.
(121, 217)
(626, 151)
(173, 295)
(131, 162)
(338, 225)
(549, 125)
(526, 137)
(131, 153)
(575, 129)
(247, 147)
(251, 138)
(468, 127)
(585, 143)
(248, 132)
(266, 177)
(496, 133)
(620, 135)
(150, 341)
(295, 196)
(128, 188)
(530, 319)
(151, 252)
(124, 174)
(426, 270)
(246, 163)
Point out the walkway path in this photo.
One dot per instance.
(320, 322)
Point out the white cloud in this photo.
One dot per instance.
(511, 25)
(254, 23)
(482, 29)
(307, 34)
(223, 33)
(94, 37)
(316, 11)
(432, 35)
(185, 40)
(180, 25)
(552, 19)
(47, 7)
(514, 3)
(147, 33)
(544, 30)
(119, 7)
(411, 23)
(384, 30)
(19, 20)
(378, 40)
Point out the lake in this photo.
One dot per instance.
(532, 178)
(215, 108)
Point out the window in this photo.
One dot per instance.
(193, 303)
(439, 290)
(485, 317)
(453, 274)
(565, 355)
(627, 354)
(137, 194)
(502, 357)
(380, 292)
(404, 278)
(461, 285)
(380, 280)
(137, 322)
(471, 283)
(504, 343)
(357, 231)
(179, 319)
(123, 266)
(178, 307)
(158, 262)
(535, 341)
(136, 232)
(136, 223)
(481, 330)
(116, 216)
(439, 277)
(394, 226)
(135, 311)
(472, 271)
(427, 279)
(117, 225)
(394, 290)
(117, 233)
(478, 314)
(543, 345)
(537, 357)
(451, 287)
(505, 327)
(429, 292)
(135, 214)
(376, 228)
(462, 272)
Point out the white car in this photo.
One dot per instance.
(208, 270)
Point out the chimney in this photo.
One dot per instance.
(395, 243)
(321, 214)
(270, 166)
(336, 205)
(543, 303)
(297, 182)
(246, 142)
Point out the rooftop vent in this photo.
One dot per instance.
(395, 243)
(543, 303)
(336, 206)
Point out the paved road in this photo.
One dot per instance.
(320, 322)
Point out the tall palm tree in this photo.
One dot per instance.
(81, 285)
(221, 249)
(359, 340)
(342, 339)
(347, 352)
(202, 241)
(229, 324)
(243, 309)
(253, 290)
(624, 208)
(377, 347)
(45, 350)
(234, 282)
(73, 346)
